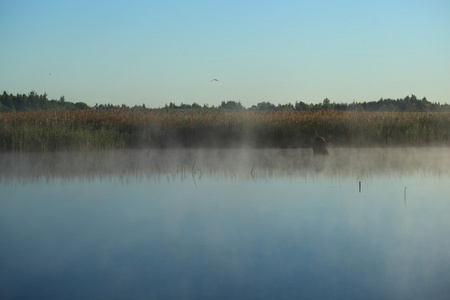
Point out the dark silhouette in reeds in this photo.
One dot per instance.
(320, 146)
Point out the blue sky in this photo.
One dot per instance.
(157, 52)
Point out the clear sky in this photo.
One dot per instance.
(156, 52)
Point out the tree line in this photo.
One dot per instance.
(33, 101)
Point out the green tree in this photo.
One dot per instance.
(326, 104)
(301, 106)
(265, 106)
(196, 106)
(231, 105)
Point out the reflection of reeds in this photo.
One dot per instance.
(272, 163)
(193, 171)
(251, 172)
(193, 165)
(55, 130)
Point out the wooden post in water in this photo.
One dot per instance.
(404, 196)
(360, 186)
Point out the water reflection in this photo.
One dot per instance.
(225, 224)
(238, 164)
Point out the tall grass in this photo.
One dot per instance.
(90, 129)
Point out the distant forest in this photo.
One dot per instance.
(33, 101)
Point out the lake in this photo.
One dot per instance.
(226, 224)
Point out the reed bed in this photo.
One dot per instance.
(91, 129)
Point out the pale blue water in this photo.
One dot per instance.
(228, 224)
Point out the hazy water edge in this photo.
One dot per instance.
(242, 164)
(200, 225)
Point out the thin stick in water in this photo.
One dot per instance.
(193, 165)
(404, 199)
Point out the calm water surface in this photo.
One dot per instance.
(226, 224)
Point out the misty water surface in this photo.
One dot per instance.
(226, 224)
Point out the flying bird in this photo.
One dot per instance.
(215, 79)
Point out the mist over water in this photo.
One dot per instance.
(225, 163)
(234, 223)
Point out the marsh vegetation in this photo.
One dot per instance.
(122, 128)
